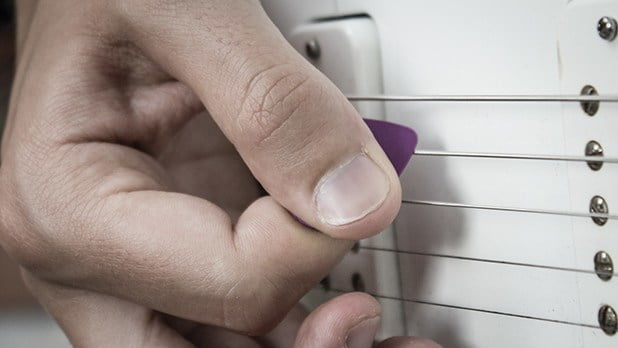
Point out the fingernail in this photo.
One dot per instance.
(362, 335)
(351, 191)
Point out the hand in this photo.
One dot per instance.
(95, 320)
(135, 133)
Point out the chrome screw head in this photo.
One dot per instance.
(607, 28)
(593, 148)
(313, 50)
(599, 205)
(589, 107)
(603, 265)
(608, 320)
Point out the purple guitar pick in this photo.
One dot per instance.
(397, 141)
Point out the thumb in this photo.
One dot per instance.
(296, 131)
(350, 320)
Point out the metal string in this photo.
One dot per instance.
(502, 262)
(485, 98)
(496, 98)
(521, 316)
(509, 209)
(434, 153)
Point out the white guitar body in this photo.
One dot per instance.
(469, 276)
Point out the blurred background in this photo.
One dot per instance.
(23, 323)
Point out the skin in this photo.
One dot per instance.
(136, 136)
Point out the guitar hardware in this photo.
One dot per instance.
(607, 28)
(312, 48)
(355, 247)
(358, 284)
(590, 107)
(325, 283)
(593, 148)
(608, 320)
(603, 265)
(599, 205)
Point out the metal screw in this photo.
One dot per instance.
(607, 28)
(599, 205)
(603, 265)
(593, 148)
(357, 282)
(312, 48)
(607, 320)
(590, 107)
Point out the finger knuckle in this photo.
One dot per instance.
(273, 98)
(39, 214)
(16, 236)
(256, 305)
(17, 241)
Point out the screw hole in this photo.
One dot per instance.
(356, 247)
(325, 283)
(312, 49)
(358, 284)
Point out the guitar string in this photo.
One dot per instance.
(496, 98)
(515, 156)
(509, 209)
(502, 262)
(515, 315)
(485, 98)
(506, 156)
